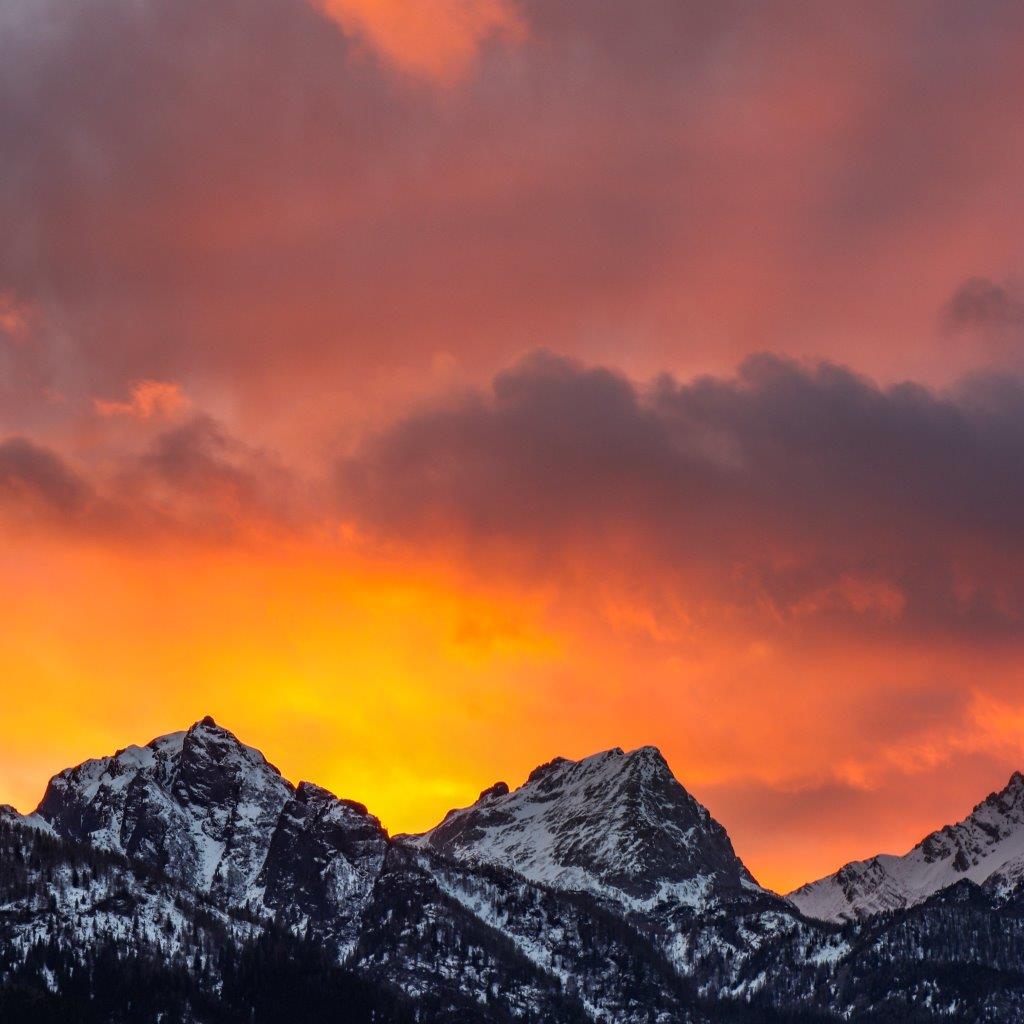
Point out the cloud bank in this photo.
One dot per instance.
(802, 489)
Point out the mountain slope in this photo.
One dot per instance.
(88, 937)
(986, 846)
(617, 825)
(438, 930)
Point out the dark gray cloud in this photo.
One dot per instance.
(36, 479)
(201, 457)
(785, 489)
(809, 487)
(983, 304)
(200, 480)
(195, 482)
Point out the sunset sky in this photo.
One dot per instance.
(427, 388)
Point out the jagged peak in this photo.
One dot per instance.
(616, 823)
(547, 768)
(499, 789)
(1000, 801)
(551, 773)
(310, 792)
(320, 800)
(221, 743)
(171, 742)
(205, 746)
(207, 728)
(978, 846)
(649, 756)
(1013, 788)
(647, 752)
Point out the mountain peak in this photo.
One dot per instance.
(207, 726)
(649, 757)
(614, 760)
(208, 730)
(208, 740)
(547, 768)
(497, 790)
(986, 847)
(1013, 789)
(615, 824)
(197, 804)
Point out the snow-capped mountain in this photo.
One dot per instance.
(200, 839)
(218, 818)
(197, 803)
(187, 880)
(986, 847)
(617, 825)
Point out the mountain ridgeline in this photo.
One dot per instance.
(187, 880)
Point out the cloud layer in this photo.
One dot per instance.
(801, 490)
(238, 197)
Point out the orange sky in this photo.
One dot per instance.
(411, 689)
(427, 397)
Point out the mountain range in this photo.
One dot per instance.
(188, 880)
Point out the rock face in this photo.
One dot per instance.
(217, 817)
(617, 825)
(986, 848)
(322, 862)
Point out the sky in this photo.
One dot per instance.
(425, 391)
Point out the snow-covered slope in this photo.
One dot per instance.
(66, 897)
(617, 825)
(1008, 880)
(217, 817)
(987, 847)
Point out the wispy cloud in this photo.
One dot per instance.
(147, 399)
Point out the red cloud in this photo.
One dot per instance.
(438, 40)
(147, 399)
(14, 315)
